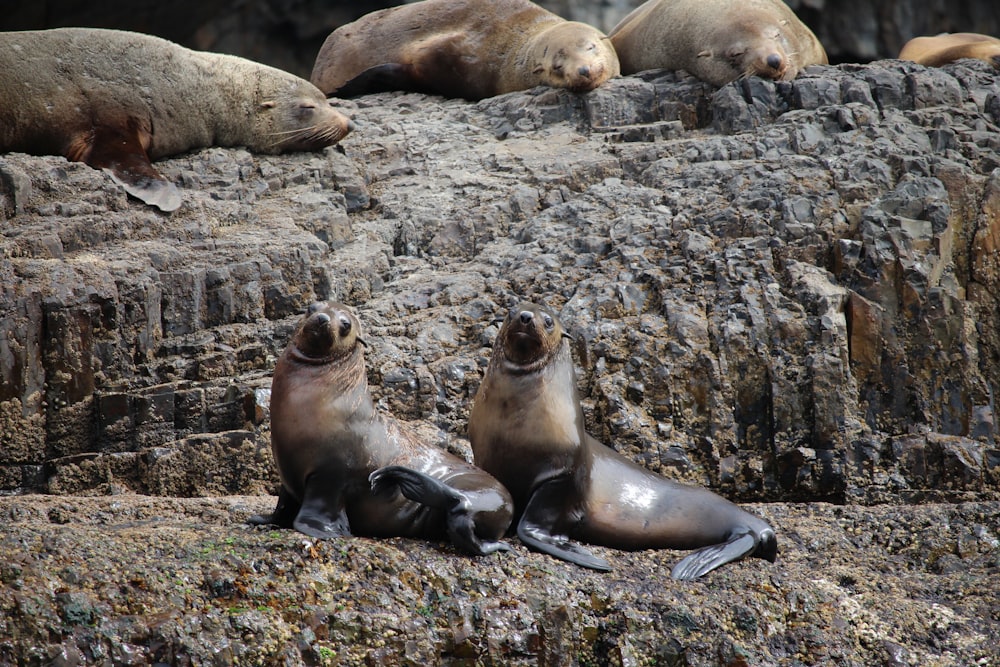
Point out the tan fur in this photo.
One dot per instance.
(717, 41)
(468, 48)
(947, 48)
(117, 99)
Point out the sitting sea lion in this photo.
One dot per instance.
(117, 100)
(717, 41)
(949, 47)
(463, 48)
(527, 430)
(341, 463)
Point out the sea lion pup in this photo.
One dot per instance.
(463, 48)
(949, 47)
(340, 462)
(717, 41)
(117, 100)
(527, 430)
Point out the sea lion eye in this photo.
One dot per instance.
(345, 326)
(547, 319)
(313, 307)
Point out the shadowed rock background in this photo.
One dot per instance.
(787, 292)
(288, 33)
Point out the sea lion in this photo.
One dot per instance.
(341, 462)
(463, 48)
(527, 430)
(117, 100)
(717, 41)
(949, 47)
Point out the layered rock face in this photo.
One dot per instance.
(785, 291)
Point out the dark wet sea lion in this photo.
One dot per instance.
(527, 430)
(717, 41)
(463, 48)
(341, 462)
(117, 100)
(949, 47)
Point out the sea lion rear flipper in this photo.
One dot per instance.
(284, 512)
(121, 152)
(708, 558)
(323, 513)
(434, 493)
(544, 511)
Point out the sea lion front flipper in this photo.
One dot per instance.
(434, 493)
(544, 511)
(323, 513)
(121, 152)
(706, 559)
(283, 515)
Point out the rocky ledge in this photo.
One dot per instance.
(787, 292)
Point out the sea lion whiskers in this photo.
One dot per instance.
(316, 133)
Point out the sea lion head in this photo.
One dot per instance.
(295, 116)
(529, 339)
(573, 55)
(755, 46)
(328, 332)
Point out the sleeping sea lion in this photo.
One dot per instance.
(463, 48)
(527, 430)
(717, 41)
(341, 462)
(117, 100)
(949, 47)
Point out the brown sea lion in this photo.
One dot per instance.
(717, 41)
(527, 430)
(341, 462)
(949, 47)
(117, 100)
(463, 48)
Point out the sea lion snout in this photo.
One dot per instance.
(327, 330)
(774, 61)
(526, 316)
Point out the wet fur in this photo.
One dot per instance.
(527, 429)
(346, 469)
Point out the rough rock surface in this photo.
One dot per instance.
(786, 292)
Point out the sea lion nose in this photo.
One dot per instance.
(584, 71)
(774, 61)
(526, 317)
(323, 317)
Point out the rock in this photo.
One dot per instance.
(783, 291)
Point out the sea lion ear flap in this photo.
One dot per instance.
(705, 54)
(267, 104)
(578, 344)
(362, 341)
